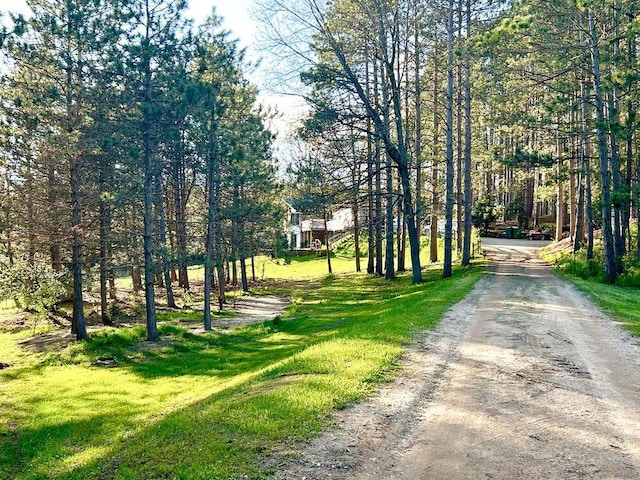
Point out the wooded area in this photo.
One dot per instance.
(133, 141)
(476, 111)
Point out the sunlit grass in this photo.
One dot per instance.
(210, 406)
(312, 265)
(622, 303)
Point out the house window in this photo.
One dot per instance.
(295, 219)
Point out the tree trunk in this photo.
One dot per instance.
(52, 200)
(31, 233)
(626, 219)
(212, 207)
(111, 276)
(619, 193)
(77, 262)
(418, 119)
(356, 234)
(386, 74)
(573, 203)
(468, 195)
(372, 220)
(400, 234)
(391, 93)
(242, 249)
(559, 188)
(243, 274)
(618, 186)
(234, 267)
(586, 158)
(371, 225)
(164, 254)
(402, 249)
(603, 154)
(399, 155)
(435, 200)
(632, 117)
(637, 197)
(217, 241)
(448, 229)
(105, 228)
(78, 324)
(326, 240)
(578, 239)
(589, 204)
(149, 173)
(180, 205)
(459, 145)
(378, 169)
(136, 279)
(7, 216)
(389, 272)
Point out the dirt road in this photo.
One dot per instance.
(524, 379)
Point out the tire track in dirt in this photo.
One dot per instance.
(524, 379)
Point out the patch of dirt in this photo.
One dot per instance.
(51, 341)
(562, 245)
(523, 379)
(249, 309)
(13, 321)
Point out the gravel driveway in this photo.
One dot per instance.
(523, 379)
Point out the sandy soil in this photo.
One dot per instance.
(251, 309)
(248, 309)
(524, 379)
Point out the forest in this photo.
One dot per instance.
(148, 193)
(133, 143)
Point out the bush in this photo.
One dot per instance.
(115, 311)
(593, 269)
(347, 248)
(35, 288)
(631, 275)
(579, 266)
(137, 308)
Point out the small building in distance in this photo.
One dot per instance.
(307, 231)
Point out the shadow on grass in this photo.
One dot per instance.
(42, 450)
(277, 382)
(375, 310)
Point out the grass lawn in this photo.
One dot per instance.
(621, 303)
(209, 406)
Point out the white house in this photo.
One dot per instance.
(305, 232)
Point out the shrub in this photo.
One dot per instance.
(115, 311)
(580, 267)
(137, 308)
(631, 275)
(36, 288)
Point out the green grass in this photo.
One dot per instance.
(209, 406)
(308, 267)
(302, 268)
(621, 302)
